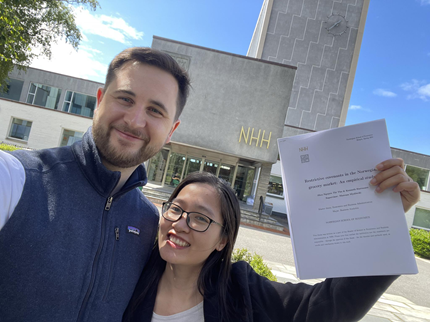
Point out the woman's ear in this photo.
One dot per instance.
(221, 244)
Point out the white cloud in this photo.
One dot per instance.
(66, 60)
(384, 93)
(413, 85)
(418, 89)
(358, 108)
(85, 63)
(96, 51)
(105, 26)
(424, 2)
(424, 92)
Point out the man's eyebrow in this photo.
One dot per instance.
(157, 103)
(124, 91)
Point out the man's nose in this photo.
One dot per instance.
(135, 117)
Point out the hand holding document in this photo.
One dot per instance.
(340, 226)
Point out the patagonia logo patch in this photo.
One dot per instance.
(133, 230)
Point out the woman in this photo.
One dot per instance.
(189, 276)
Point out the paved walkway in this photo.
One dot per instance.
(388, 308)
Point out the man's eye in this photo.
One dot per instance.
(126, 99)
(155, 110)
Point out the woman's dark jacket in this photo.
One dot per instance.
(335, 299)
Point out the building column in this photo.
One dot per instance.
(263, 183)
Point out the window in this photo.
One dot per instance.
(419, 175)
(79, 104)
(421, 218)
(70, 137)
(42, 95)
(12, 90)
(20, 129)
(275, 186)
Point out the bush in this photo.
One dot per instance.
(256, 262)
(420, 242)
(7, 147)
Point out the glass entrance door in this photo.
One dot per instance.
(210, 166)
(176, 164)
(157, 166)
(226, 172)
(243, 182)
(192, 165)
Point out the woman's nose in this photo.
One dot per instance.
(181, 224)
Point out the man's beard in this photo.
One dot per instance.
(121, 159)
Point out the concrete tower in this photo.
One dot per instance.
(322, 38)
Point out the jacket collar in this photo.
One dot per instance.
(102, 179)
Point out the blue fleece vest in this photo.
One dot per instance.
(71, 251)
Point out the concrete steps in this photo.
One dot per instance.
(248, 216)
(155, 195)
(252, 218)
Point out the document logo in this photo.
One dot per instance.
(304, 158)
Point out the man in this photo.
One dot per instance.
(75, 232)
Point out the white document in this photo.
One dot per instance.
(339, 225)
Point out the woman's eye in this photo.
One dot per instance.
(175, 209)
(202, 219)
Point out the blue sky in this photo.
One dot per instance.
(393, 74)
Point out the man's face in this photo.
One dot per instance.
(135, 115)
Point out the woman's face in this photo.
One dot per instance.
(181, 245)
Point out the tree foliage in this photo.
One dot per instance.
(26, 25)
(419, 175)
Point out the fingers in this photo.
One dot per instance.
(391, 181)
(408, 186)
(390, 163)
(392, 174)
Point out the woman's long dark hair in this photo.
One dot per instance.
(214, 278)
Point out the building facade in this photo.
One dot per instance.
(232, 120)
(297, 78)
(40, 109)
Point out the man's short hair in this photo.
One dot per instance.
(153, 57)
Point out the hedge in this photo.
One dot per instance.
(420, 242)
(8, 147)
(256, 262)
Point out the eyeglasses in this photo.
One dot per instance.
(195, 220)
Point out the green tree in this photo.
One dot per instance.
(419, 175)
(29, 24)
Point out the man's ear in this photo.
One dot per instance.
(174, 127)
(221, 244)
(99, 96)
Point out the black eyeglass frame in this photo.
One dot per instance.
(165, 204)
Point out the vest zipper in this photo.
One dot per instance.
(96, 259)
(108, 203)
(116, 233)
(112, 262)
